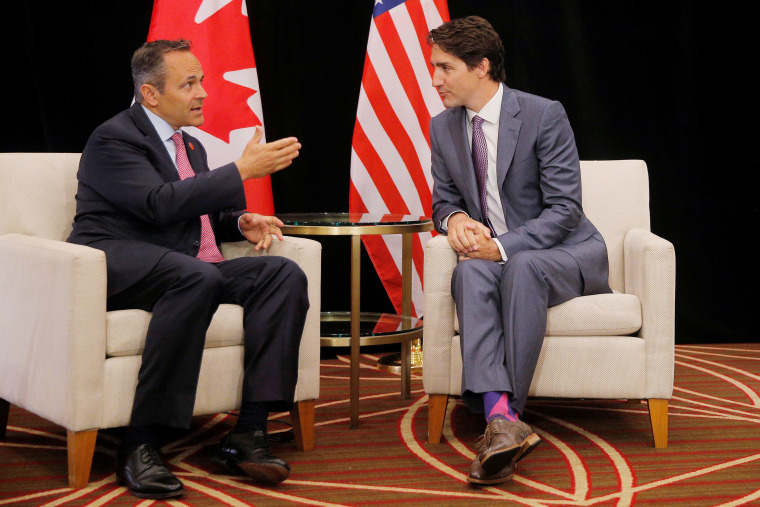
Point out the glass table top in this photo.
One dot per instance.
(338, 324)
(349, 219)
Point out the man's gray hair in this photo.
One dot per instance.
(148, 65)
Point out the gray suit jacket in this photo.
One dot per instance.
(538, 177)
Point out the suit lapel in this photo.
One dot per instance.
(457, 125)
(166, 166)
(194, 153)
(509, 131)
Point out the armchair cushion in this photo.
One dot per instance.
(126, 330)
(613, 314)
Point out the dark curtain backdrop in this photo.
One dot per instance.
(665, 82)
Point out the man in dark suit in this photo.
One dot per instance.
(507, 192)
(147, 198)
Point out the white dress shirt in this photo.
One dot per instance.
(490, 114)
(165, 133)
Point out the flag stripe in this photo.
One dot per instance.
(381, 79)
(379, 179)
(369, 194)
(391, 161)
(407, 147)
(420, 62)
(402, 66)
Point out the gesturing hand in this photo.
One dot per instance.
(259, 160)
(258, 229)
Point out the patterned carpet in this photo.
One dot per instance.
(594, 452)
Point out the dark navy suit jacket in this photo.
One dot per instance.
(132, 204)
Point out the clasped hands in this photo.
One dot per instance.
(471, 239)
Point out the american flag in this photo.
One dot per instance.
(390, 156)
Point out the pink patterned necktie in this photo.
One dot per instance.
(208, 252)
(480, 162)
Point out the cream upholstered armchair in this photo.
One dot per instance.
(613, 346)
(66, 359)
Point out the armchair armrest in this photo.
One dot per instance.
(650, 274)
(307, 253)
(53, 329)
(437, 333)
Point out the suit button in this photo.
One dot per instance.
(196, 243)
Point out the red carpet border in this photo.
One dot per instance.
(594, 452)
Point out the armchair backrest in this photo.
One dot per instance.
(37, 198)
(616, 200)
(37, 193)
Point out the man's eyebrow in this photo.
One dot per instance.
(194, 76)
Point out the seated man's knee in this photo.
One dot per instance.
(204, 276)
(293, 273)
(471, 272)
(522, 264)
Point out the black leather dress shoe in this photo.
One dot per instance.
(251, 454)
(146, 476)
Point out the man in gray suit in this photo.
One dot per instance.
(507, 192)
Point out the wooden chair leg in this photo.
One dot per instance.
(436, 415)
(81, 447)
(658, 415)
(302, 418)
(5, 407)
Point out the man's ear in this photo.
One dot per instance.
(483, 67)
(150, 94)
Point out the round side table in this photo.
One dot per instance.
(367, 328)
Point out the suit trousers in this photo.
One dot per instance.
(183, 293)
(502, 319)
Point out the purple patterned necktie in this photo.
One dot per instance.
(208, 252)
(480, 162)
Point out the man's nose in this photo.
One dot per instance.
(437, 81)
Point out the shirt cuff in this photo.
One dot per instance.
(501, 249)
(445, 221)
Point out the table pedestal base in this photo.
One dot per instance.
(391, 363)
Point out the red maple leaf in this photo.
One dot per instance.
(222, 43)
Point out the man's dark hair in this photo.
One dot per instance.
(471, 39)
(148, 63)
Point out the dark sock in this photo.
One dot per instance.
(134, 437)
(253, 416)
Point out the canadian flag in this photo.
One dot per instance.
(221, 38)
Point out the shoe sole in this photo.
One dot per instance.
(486, 482)
(269, 474)
(493, 462)
(149, 496)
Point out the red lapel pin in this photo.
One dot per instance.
(191, 146)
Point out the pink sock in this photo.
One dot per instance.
(499, 406)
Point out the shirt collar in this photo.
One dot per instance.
(491, 111)
(163, 129)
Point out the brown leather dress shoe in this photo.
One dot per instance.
(480, 477)
(505, 442)
(251, 454)
(146, 476)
